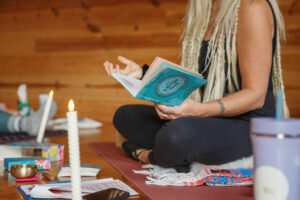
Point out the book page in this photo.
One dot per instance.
(63, 190)
(161, 60)
(84, 171)
(151, 69)
(131, 84)
(158, 60)
(159, 64)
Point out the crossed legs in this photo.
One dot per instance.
(184, 140)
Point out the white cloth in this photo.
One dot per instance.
(157, 175)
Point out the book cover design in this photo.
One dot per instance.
(42, 163)
(164, 83)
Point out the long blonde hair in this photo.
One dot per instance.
(222, 47)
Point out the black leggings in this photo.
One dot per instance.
(184, 140)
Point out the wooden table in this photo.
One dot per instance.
(8, 189)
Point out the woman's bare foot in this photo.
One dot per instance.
(142, 155)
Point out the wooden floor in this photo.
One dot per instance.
(8, 189)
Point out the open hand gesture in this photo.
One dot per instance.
(131, 68)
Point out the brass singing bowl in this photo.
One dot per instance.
(23, 171)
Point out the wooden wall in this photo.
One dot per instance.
(61, 45)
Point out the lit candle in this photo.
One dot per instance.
(74, 153)
(42, 129)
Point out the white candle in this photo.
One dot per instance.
(74, 153)
(42, 129)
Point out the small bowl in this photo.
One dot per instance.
(23, 171)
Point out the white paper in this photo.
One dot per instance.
(84, 171)
(83, 123)
(43, 191)
(64, 189)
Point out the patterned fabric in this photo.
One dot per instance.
(210, 176)
(219, 177)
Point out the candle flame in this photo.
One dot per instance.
(51, 93)
(71, 105)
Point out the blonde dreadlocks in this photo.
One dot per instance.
(222, 47)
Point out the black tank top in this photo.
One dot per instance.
(268, 108)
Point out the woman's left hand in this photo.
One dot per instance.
(187, 108)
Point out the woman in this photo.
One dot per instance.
(235, 44)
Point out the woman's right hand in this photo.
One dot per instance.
(131, 68)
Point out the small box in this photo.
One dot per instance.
(51, 152)
(40, 162)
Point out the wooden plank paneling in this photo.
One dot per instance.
(108, 42)
(61, 45)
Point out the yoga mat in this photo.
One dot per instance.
(118, 159)
(14, 137)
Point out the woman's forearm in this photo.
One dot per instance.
(232, 105)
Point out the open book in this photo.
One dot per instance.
(164, 83)
(64, 190)
(85, 170)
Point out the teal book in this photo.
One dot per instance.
(164, 83)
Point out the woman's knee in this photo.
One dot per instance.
(171, 134)
(168, 144)
(131, 121)
(120, 115)
(130, 114)
(177, 129)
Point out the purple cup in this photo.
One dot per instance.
(276, 149)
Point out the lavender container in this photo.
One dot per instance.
(276, 148)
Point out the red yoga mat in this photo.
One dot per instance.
(118, 159)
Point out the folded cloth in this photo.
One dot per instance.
(226, 177)
(157, 175)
